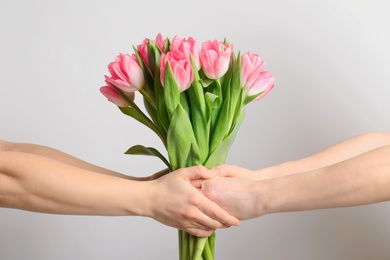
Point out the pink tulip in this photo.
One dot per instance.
(251, 67)
(126, 73)
(176, 40)
(181, 68)
(160, 41)
(187, 47)
(143, 50)
(113, 96)
(263, 84)
(214, 58)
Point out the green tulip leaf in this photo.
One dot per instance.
(249, 99)
(220, 154)
(160, 101)
(149, 151)
(206, 82)
(181, 140)
(171, 90)
(152, 49)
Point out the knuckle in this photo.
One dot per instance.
(189, 213)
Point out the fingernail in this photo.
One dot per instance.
(212, 172)
(216, 171)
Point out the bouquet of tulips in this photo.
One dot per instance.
(194, 98)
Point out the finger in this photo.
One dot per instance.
(198, 183)
(199, 232)
(198, 220)
(193, 222)
(198, 172)
(205, 222)
(227, 170)
(216, 213)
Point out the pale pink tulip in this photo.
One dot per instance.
(143, 48)
(176, 40)
(187, 47)
(160, 41)
(263, 84)
(126, 73)
(251, 67)
(113, 96)
(181, 68)
(214, 58)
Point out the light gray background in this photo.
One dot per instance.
(331, 60)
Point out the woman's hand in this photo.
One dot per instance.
(240, 197)
(177, 203)
(234, 190)
(234, 171)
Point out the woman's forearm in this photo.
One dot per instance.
(354, 172)
(40, 184)
(331, 155)
(59, 156)
(360, 180)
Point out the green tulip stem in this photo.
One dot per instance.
(146, 95)
(140, 116)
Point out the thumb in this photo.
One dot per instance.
(199, 172)
(226, 170)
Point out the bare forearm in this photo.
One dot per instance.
(39, 184)
(360, 180)
(59, 156)
(354, 172)
(36, 183)
(331, 155)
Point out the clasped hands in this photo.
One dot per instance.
(205, 199)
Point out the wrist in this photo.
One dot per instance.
(294, 192)
(270, 194)
(138, 198)
(263, 197)
(145, 198)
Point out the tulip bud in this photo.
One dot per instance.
(113, 96)
(251, 67)
(126, 73)
(188, 47)
(215, 58)
(181, 68)
(262, 85)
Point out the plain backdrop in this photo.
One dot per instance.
(331, 61)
